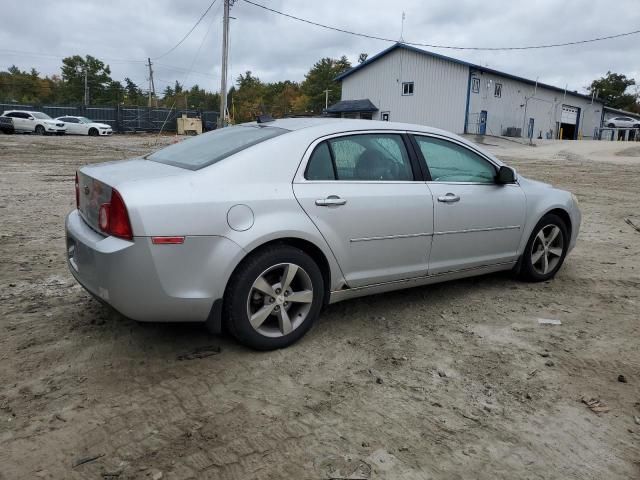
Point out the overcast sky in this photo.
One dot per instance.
(124, 33)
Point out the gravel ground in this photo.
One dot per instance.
(453, 381)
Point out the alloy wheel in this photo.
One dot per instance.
(547, 249)
(279, 300)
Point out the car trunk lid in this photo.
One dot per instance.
(95, 183)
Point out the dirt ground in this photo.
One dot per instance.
(453, 381)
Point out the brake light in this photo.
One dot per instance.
(77, 192)
(113, 217)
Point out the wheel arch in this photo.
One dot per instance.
(306, 246)
(564, 215)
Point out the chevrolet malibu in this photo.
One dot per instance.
(256, 227)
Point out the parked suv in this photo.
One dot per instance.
(623, 122)
(39, 123)
(6, 125)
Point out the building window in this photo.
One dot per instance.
(475, 85)
(407, 88)
(497, 92)
(385, 116)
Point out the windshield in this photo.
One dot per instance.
(84, 120)
(41, 115)
(209, 148)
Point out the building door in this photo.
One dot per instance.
(569, 122)
(482, 125)
(530, 129)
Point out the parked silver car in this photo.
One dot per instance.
(260, 225)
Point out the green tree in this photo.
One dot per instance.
(132, 93)
(321, 77)
(612, 88)
(73, 75)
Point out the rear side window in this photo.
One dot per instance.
(320, 165)
(364, 157)
(209, 148)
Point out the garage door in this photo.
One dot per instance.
(569, 115)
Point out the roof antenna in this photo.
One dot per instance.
(402, 29)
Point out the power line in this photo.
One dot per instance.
(450, 47)
(188, 33)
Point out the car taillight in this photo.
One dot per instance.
(113, 217)
(77, 192)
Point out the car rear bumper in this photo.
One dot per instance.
(147, 282)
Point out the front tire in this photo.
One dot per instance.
(273, 298)
(546, 249)
(40, 130)
(93, 132)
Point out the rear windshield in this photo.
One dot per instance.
(209, 148)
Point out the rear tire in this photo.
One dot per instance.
(40, 130)
(273, 298)
(93, 132)
(546, 249)
(611, 125)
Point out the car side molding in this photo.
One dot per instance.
(349, 293)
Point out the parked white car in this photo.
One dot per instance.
(25, 121)
(623, 122)
(85, 126)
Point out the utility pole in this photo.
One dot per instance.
(152, 87)
(326, 99)
(86, 88)
(225, 59)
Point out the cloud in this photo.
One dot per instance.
(275, 48)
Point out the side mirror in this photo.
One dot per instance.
(506, 175)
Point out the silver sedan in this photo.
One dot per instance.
(258, 226)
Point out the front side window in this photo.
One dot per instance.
(407, 88)
(475, 85)
(450, 162)
(365, 157)
(209, 148)
(497, 92)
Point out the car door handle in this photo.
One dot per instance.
(449, 198)
(331, 201)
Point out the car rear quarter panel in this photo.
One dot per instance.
(197, 203)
